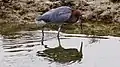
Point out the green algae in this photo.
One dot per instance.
(88, 28)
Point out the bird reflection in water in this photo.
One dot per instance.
(62, 55)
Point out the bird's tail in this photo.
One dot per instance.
(38, 18)
(39, 21)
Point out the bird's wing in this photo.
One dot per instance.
(59, 14)
(45, 16)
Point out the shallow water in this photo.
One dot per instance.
(20, 50)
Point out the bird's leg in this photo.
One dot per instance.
(59, 41)
(81, 27)
(59, 30)
(42, 35)
(58, 34)
(80, 21)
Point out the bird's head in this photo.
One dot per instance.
(78, 14)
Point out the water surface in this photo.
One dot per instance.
(20, 50)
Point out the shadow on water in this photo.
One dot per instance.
(62, 55)
(24, 49)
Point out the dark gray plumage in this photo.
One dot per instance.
(60, 15)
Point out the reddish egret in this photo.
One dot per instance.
(61, 15)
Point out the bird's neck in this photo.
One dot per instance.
(72, 19)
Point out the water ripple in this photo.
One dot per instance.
(20, 50)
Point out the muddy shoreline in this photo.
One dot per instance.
(100, 18)
(89, 28)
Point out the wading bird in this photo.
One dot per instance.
(61, 15)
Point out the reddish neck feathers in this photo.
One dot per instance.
(76, 13)
(74, 17)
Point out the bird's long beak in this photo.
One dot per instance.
(80, 22)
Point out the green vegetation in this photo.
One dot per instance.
(95, 28)
(89, 28)
(11, 28)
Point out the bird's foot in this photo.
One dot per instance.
(45, 45)
(42, 43)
